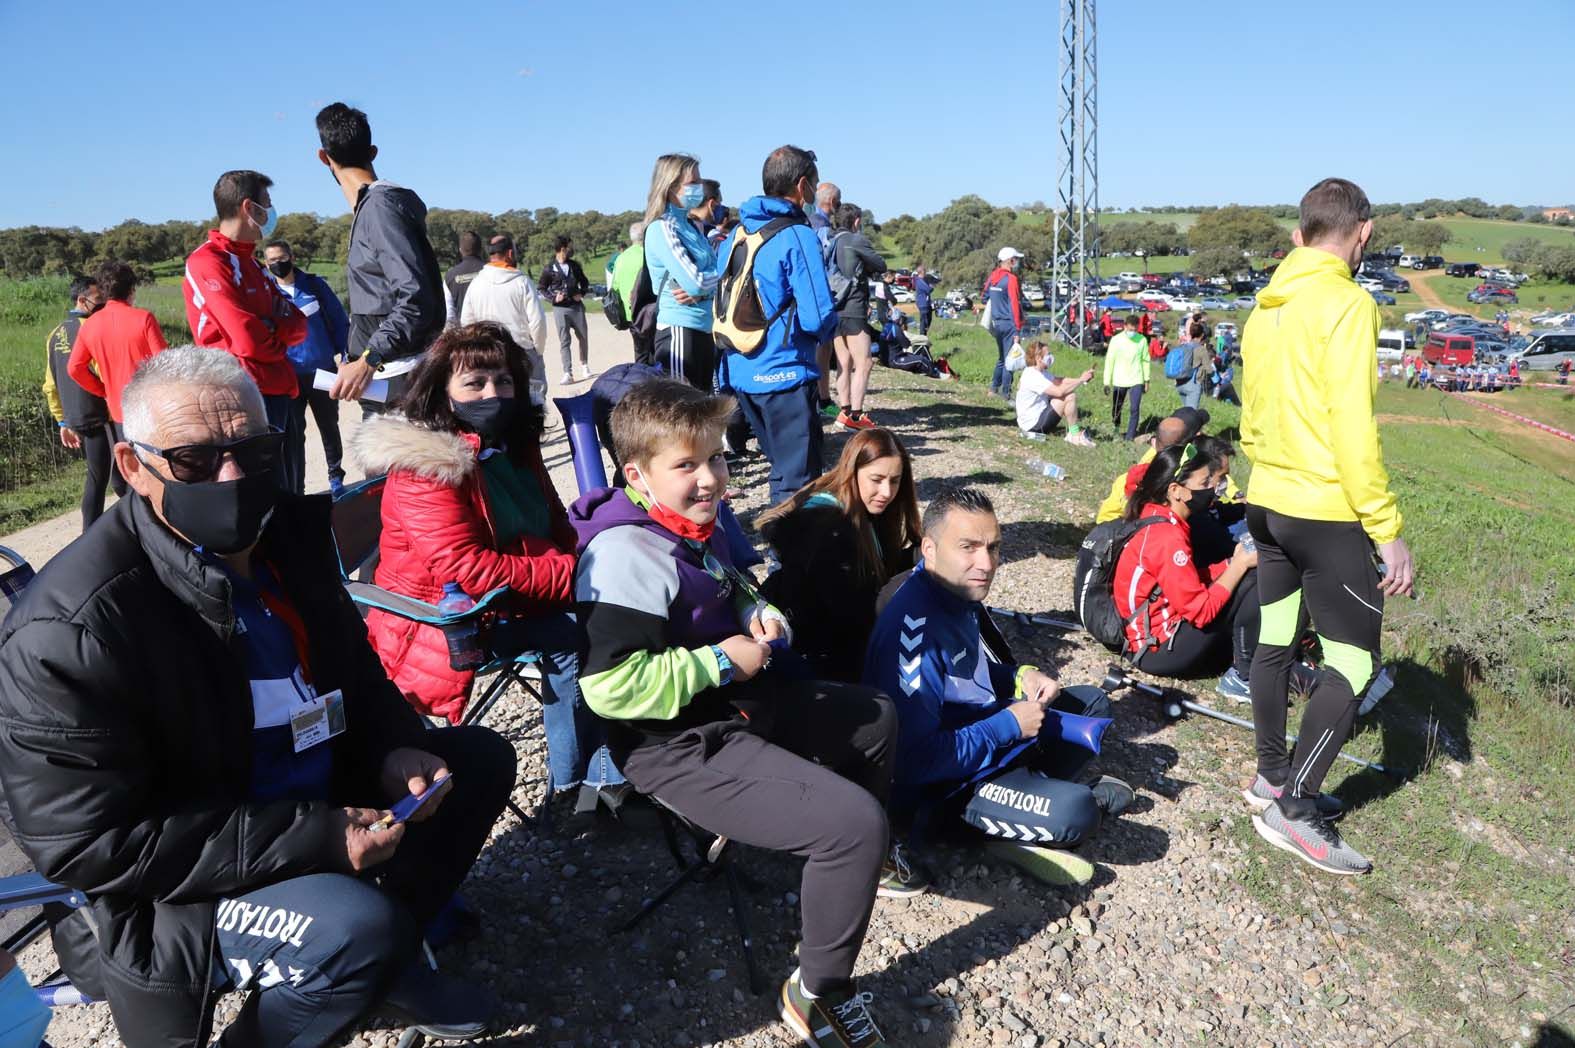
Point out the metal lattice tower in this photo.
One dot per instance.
(1077, 189)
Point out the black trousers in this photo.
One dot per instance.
(325, 412)
(687, 354)
(1118, 398)
(1321, 571)
(815, 783)
(321, 950)
(98, 447)
(1230, 639)
(925, 312)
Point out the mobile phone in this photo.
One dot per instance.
(406, 806)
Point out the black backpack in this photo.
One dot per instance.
(1093, 581)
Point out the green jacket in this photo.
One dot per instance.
(1126, 361)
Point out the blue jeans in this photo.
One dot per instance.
(788, 430)
(1190, 391)
(576, 738)
(1000, 378)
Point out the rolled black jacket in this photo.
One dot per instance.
(858, 261)
(125, 750)
(396, 287)
(828, 601)
(553, 281)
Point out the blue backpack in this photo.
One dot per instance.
(1178, 361)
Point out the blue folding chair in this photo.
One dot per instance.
(357, 522)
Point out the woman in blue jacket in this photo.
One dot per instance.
(682, 264)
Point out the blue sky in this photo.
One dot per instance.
(131, 110)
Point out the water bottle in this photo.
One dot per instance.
(1046, 469)
(464, 638)
(1038, 438)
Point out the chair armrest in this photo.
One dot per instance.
(33, 889)
(397, 604)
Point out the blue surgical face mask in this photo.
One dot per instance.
(691, 196)
(270, 223)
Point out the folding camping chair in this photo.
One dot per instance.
(358, 526)
(714, 857)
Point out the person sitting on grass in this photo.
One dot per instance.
(1044, 400)
(1172, 431)
(975, 724)
(839, 540)
(1185, 617)
(678, 660)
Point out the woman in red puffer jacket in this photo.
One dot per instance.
(469, 501)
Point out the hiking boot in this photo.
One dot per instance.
(1050, 865)
(1311, 838)
(1079, 439)
(1112, 795)
(1234, 686)
(439, 1005)
(899, 878)
(1263, 793)
(832, 1020)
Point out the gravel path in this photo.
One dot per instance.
(1166, 947)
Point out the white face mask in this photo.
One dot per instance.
(649, 492)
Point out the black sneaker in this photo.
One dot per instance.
(1112, 795)
(439, 1005)
(832, 1020)
(1263, 793)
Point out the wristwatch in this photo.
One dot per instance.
(724, 665)
(373, 359)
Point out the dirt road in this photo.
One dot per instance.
(1425, 292)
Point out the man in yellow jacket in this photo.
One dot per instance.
(1126, 374)
(1317, 506)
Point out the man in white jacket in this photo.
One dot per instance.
(502, 294)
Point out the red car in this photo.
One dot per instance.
(1153, 279)
(1155, 306)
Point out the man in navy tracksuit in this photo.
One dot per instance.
(776, 385)
(327, 334)
(971, 720)
(922, 286)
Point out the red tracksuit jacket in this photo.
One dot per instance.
(232, 303)
(1161, 555)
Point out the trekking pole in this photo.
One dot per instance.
(1023, 618)
(1173, 706)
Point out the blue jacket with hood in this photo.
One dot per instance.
(788, 266)
(327, 327)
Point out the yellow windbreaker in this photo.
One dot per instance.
(1310, 364)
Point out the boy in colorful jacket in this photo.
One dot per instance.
(679, 653)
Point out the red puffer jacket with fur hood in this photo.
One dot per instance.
(437, 528)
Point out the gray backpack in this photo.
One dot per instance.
(841, 283)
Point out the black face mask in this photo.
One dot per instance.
(489, 418)
(221, 516)
(1200, 501)
(281, 268)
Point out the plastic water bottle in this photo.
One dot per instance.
(464, 638)
(1036, 437)
(1046, 469)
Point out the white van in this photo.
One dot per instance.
(1410, 261)
(1548, 349)
(1394, 344)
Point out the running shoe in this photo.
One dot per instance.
(567, 379)
(1313, 839)
(1234, 687)
(845, 420)
(832, 1020)
(899, 878)
(1263, 793)
(587, 373)
(1079, 439)
(1050, 865)
(863, 421)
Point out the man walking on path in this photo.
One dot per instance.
(232, 305)
(1319, 508)
(82, 417)
(396, 297)
(564, 285)
(457, 280)
(776, 385)
(504, 295)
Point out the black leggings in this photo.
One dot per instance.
(1322, 570)
(1230, 639)
(98, 447)
(815, 785)
(1118, 397)
(687, 354)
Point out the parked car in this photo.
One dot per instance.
(1428, 262)
(1152, 295)
(1216, 304)
(902, 295)
(1184, 305)
(1375, 258)
(1129, 286)
(1397, 284)
(1394, 344)
(1497, 296)
(1155, 305)
(1244, 302)
(1034, 294)
(1410, 261)
(957, 298)
(1448, 349)
(1135, 277)
(1547, 350)
(1462, 269)
(1426, 316)
(1227, 329)
(1383, 298)
(1553, 320)
(1153, 279)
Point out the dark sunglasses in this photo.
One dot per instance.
(196, 463)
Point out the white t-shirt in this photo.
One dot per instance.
(1032, 396)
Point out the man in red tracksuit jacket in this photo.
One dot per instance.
(232, 303)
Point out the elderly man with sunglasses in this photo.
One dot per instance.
(195, 733)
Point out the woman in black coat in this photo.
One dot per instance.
(840, 539)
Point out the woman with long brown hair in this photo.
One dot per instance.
(469, 502)
(840, 539)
